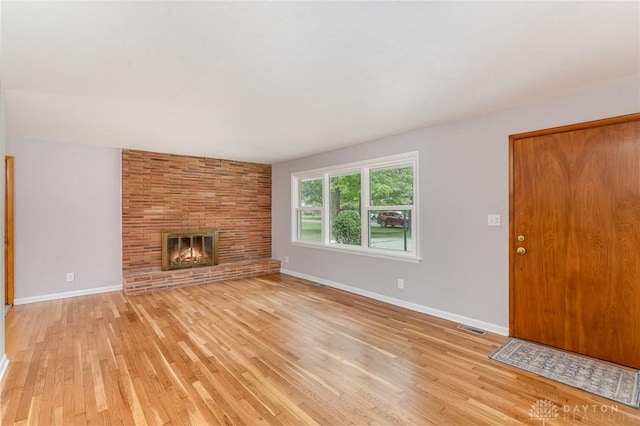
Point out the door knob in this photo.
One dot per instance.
(521, 250)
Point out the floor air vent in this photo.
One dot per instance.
(472, 329)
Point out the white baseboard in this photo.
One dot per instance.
(55, 296)
(4, 364)
(504, 331)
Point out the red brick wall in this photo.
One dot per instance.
(164, 191)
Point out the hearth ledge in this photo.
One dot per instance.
(147, 281)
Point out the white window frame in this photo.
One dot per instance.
(363, 167)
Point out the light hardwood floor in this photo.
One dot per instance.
(266, 350)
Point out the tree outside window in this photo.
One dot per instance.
(345, 209)
(309, 211)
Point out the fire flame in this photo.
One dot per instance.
(188, 255)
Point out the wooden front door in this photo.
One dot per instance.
(575, 238)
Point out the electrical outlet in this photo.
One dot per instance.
(493, 220)
(286, 259)
(400, 283)
(71, 276)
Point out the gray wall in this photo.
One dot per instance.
(463, 177)
(67, 218)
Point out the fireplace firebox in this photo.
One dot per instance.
(189, 248)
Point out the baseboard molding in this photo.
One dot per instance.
(55, 296)
(504, 331)
(4, 364)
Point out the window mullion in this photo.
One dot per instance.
(326, 234)
(365, 203)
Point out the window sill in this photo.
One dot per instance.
(377, 253)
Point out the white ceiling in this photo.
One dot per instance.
(270, 81)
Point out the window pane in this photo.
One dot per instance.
(311, 193)
(392, 186)
(390, 230)
(344, 211)
(310, 225)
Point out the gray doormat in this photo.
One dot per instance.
(610, 381)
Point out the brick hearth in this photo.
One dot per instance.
(145, 282)
(164, 191)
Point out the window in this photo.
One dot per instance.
(344, 209)
(309, 212)
(368, 207)
(391, 192)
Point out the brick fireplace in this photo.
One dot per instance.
(169, 193)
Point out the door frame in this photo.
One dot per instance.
(512, 236)
(8, 232)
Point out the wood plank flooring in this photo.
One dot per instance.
(268, 350)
